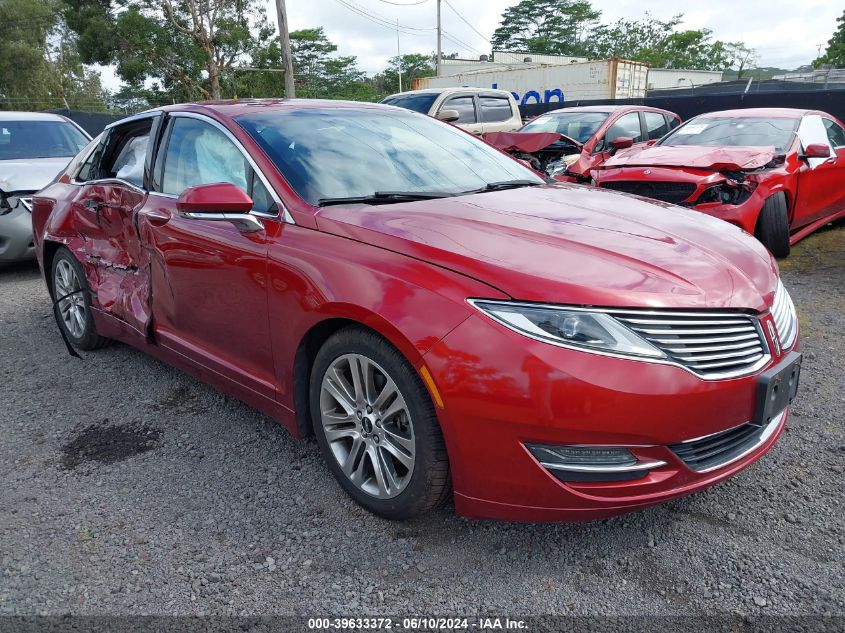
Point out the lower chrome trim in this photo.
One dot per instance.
(627, 468)
(767, 433)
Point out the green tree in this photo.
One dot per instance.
(555, 27)
(835, 53)
(412, 65)
(742, 58)
(189, 46)
(39, 64)
(638, 40)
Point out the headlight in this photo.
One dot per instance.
(569, 327)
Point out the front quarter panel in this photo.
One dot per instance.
(316, 276)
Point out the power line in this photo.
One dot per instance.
(448, 4)
(404, 4)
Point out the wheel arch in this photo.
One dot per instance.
(314, 338)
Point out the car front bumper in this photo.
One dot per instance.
(529, 392)
(16, 234)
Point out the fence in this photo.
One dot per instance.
(686, 106)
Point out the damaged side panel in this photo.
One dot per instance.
(104, 214)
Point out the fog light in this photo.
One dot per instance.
(592, 463)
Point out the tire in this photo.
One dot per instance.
(406, 444)
(73, 315)
(773, 225)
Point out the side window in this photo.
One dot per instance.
(125, 154)
(628, 125)
(262, 201)
(200, 154)
(495, 109)
(90, 166)
(673, 122)
(465, 107)
(655, 125)
(835, 133)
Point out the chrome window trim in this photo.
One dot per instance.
(112, 181)
(284, 214)
(747, 371)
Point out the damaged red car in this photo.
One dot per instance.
(444, 321)
(777, 173)
(567, 144)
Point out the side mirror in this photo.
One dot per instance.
(449, 115)
(816, 150)
(220, 201)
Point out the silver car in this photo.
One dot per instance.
(34, 147)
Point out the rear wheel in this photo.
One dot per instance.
(376, 426)
(73, 313)
(773, 225)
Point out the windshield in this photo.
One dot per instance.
(577, 125)
(39, 139)
(734, 132)
(420, 102)
(341, 153)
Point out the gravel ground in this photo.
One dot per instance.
(129, 487)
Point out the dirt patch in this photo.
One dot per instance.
(108, 444)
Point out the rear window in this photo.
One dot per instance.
(735, 132)
(495, 109)
(39, 139)
(418, 102)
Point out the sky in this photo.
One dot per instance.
(785, 33)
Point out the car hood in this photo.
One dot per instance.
(695, 157)
(527, 141)
(30, 174)
(571, 244)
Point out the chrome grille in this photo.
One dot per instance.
(711, 345)
(786, 321)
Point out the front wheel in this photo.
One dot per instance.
(773, 225)
(376, 426)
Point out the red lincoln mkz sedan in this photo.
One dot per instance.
(441, 318)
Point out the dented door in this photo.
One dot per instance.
(117, 265)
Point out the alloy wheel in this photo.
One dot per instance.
(367, 425)
(72, 307)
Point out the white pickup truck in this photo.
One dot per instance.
(477, 110)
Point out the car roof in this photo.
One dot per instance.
(447, 91)
(30, 116)
(238, 107)
(778, 113)
(610, 108)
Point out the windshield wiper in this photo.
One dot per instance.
(506, 184)
(385, 197)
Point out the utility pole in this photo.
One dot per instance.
(284, 37)
(439, 38)
(398, 55)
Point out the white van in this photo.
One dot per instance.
(477, 110)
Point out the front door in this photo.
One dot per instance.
(820, 179)
(209, 280)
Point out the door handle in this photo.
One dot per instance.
(158, 217)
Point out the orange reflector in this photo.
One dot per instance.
(429, 382)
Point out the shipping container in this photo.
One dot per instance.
(542, 83)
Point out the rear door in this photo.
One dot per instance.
(498, 113)
(113, 187)
(820, 187)
(465, 105)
